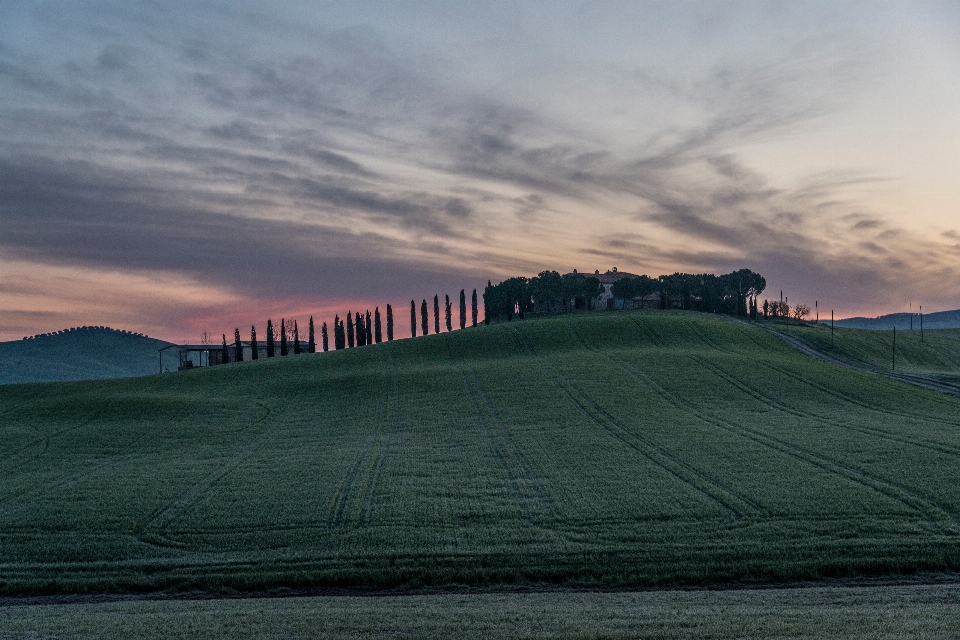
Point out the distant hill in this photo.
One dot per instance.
(83, 353)
(938, 320)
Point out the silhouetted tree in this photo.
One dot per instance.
(283, 338)
(473, 307)
(312, 342)
(436, 314)
(487, 302)
(413, 319)
(377, 330)
(237, 344)
(339, 339)
(271, 335)
(253, 343)
(448, 314)
(324, 337)
(463, 309)
(296, 339)
(369, 326)
(226, 352)
(389, 323)
(424, 318)
(349, 330)
(361, 331)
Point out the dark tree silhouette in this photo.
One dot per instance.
(296, 339)
(339, 340)
(271, 347)
(389, 323)
(424, 318)
(473, 308)
(463, 309)
(369, 326)
(253, 343)
(226, 352)
(436, 314)
(487, 302)
(238, 346)
(413, 319)
(349, 330)
(377, 329)
(283, 338)
(325, 337)
(361, 331)
(312, 339)
(448, 314)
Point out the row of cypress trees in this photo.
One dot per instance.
(448, 314)
(356, 330)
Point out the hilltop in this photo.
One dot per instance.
(598, 450)
(81, 353)
(902, 321)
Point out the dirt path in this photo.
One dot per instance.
(803, 347)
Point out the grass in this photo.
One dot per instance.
(936, 355)
(840, 613)
(640, 448)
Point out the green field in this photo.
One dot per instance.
(901, 612)
(636, 448)
(935, 354)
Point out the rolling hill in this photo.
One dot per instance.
(83, 353)
(635, 448)
(904, 322)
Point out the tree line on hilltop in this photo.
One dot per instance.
(549, 292)
(355, 330)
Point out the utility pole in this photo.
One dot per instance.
(831, 328)
(921, 324)
(816, 305)
(911, 316)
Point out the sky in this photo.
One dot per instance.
(179, 167)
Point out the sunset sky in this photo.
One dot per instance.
(181, 167)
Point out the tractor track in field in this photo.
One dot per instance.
(153, 529)
(21, 499)
(507, 454)
(803, 347)
(686, 474)
(779, 406)
(366, 469)
(908, 499)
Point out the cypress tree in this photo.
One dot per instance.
(389, 323)
(369, 326)
(323, 336)
(296, 339)
(226, 352)
(253, 343)
(424, 318)
(343, 336)
(283, 338)
(449, 313)
(413, 319)
(377, 332)
(338, 340)
(436, 314)
(463, 309)
(349, 330)
(237, 344)
(361, 330)
(473, 308)
(486, 303)
(270, 339)
(312, 344)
